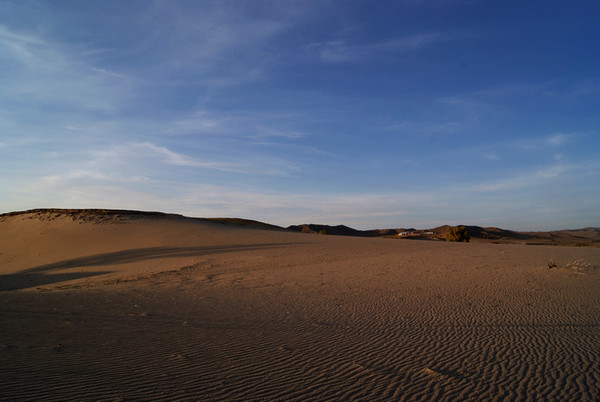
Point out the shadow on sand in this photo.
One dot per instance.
(23, 280)
(42, 275)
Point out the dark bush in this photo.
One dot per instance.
(458, 233)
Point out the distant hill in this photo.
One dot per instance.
(341, 230)
(578, 237)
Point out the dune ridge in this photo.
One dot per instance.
(164, 307)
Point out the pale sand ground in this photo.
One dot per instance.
(181, 309)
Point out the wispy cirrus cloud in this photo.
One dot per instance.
(510, 90)
(83, 175)
(275, 129)
(445, 116)
(20, 47)
(203, 121)
(170, 157)
(549, 141)
(340, 50)
(148, 156)
(239, 123)
(42, 73)
(73, 93)
(216, 44)
(536, 177)
(263, 132)
(491, 156)
(559, 139)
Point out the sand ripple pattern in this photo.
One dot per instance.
(371, 323)
(353, 347)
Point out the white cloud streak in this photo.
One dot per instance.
(178, 159)
(536, 177)
(139, 161)
(551, 141)
(340, 51)
(239, 123)
(41, 73)
(558, 139)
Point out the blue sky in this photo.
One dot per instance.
(370, 114)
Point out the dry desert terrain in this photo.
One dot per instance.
(101, 305)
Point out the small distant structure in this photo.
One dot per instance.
(416, 233)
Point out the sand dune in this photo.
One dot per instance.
(111, 305)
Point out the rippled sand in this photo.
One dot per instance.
(167, 308)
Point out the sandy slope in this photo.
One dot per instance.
(167, 308)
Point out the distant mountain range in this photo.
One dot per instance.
(578, 237)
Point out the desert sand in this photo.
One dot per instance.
(109, 306)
